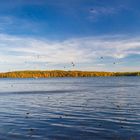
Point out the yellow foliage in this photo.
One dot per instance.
(60, 73)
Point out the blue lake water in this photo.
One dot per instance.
(101, 108)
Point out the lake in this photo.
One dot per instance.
(98, 108)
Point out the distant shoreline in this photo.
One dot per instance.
(61, 73)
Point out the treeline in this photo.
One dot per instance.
(60, 73)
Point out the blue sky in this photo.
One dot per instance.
(50, 34)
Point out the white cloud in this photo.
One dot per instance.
(103, 10)
(99, 11)
(15, 51)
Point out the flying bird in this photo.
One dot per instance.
(72, 64)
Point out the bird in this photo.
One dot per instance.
(91, 9)
(38, 56)
(72, 64)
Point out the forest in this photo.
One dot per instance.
(61, 73)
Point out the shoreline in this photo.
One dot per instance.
(60, 73)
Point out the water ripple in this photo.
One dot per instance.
(70, 109)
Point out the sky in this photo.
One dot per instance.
(95, 35)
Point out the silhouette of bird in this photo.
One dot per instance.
(91, 10)
(38, 56)
(72, 64)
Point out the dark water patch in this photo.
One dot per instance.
(40, 92)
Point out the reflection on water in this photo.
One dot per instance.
(70, 108)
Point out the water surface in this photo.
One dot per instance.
(101, 108)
